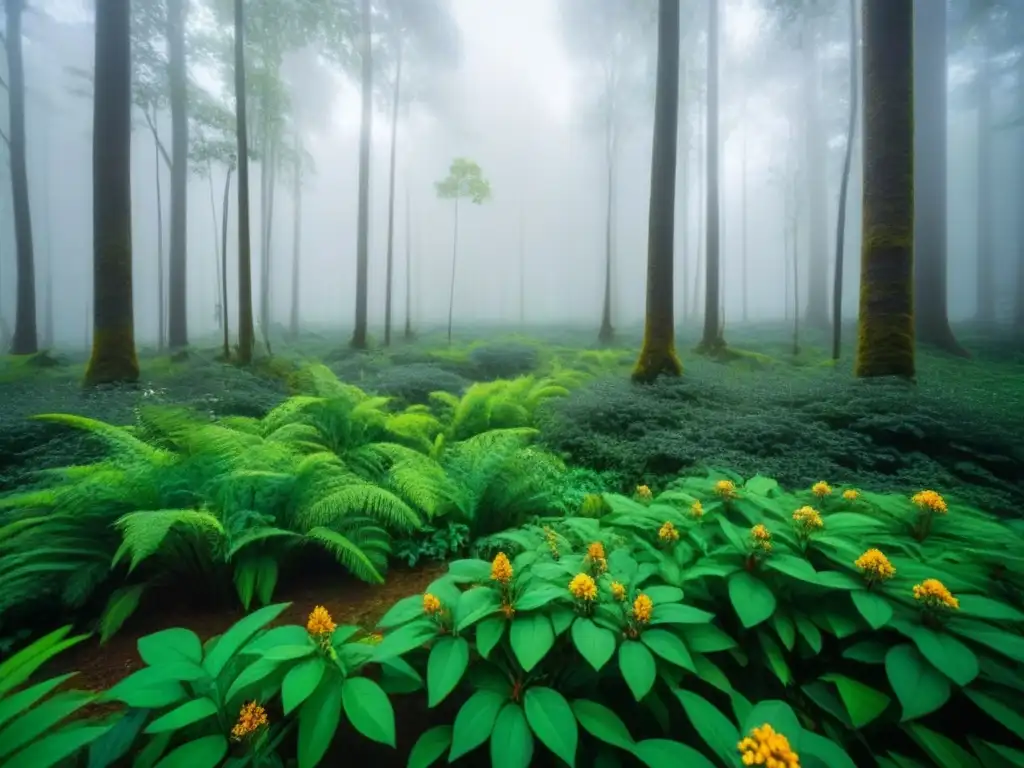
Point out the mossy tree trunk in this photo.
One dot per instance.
(885, 342)
(817, 314)
(177, 324)
(985, 292)
(658, 355)
(246, 336)
(224, 323)
(712, 340)
(390, 269)
(359, 335)
(607, 332)
(113, 348)
(408, 264)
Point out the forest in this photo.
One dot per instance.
(535, 383)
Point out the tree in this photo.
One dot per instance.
(885, 342)
(25, 340)
(390, 268)
(930, 248)
(658, 354)
(113, 348)
(246, 337)
(465, 181)
(712, 340)
(177, 324)
(359, 335)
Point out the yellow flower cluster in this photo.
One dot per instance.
(595, 555)
(851, 495)
(765, 746)
(583, 587)
(501, 569)
(250, 720)
(761, 537)
(932, 593)
(697, 510)
(875, 566)
(725, 489)
(821, 489)
(618, 591)
(552, 541)
(644, 493)
(320, 622)
(643, 607)
(930, 501)
(431, 604)
(668, 532)
(809, 519)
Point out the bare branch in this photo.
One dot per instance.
(3, 136)
(156, 138)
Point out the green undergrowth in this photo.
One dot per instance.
(662, 629)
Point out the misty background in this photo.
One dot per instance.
(520, 97)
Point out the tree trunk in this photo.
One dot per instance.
(49, 326)
(408, 265)
(455, 257)
(930, 247)
(851, 127)
(293, 318)
(712, 341)
(25, 340)
(246, 339)
(113, 350)
(359, 334)
(698, 273)
(745, 282)
(161, 302)
(985, 310)
(218, 315)
(224, 266)
(267, 285)
(684, 187)
(607, 332)
(177, 326)
(391, 196)
(817, 182)
(885, 342)
(658, 354)
(522, 265)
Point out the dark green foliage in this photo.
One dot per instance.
(433, 544)
(412, 384)
(503, 361)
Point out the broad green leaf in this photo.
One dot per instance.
(947, 654)
(1009, 717)
(41, 718)
(981, 607)
(706, 638)
(290, 652)
(785, 629)
(876, 610)
(675, 613)
(868, 652)
(446, 665)
(319, 716)
(753, 600)
(147, 688)
(474, 722)
(300, 682)
(862, 702)
(430, 746)
(175, 644)
(531, 636)
(780, 716)
(369, 709)
(661, 753)
(945, 752)
(473, 570)
(669, 647)
(717, 730)
(511, 739)
(663, 594)
(638, 667)
(489, 633)
(595, 644)
(205, 752)
(256, 672)
(602, 723)
(402, 612)
(539, 595)
(405, 638)
(475, 604)
(231, 641)
(920, 688)
(793, 567)
(190, 712)
(20, 702)
(1009, 644)
(710, 673)
(19, 667)
(827, 751)
(776, 659)
(56, 747)
(552, 721)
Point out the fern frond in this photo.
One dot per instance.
(144, 533)
(346, 553)
(359, 499)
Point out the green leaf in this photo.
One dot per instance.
(205, 752)
(669, 647)
(1005, 757)
(319, 716)
(919, 687)
(674, 613)
(228, 644)
(148, 688)
(780, 716)
(602, 723)
(707, 638)
(827, 751)
(120, 606)
(945, 752)
(785, 629)
(538, 595)
(402, 612)
(290, 652)
(552, 721)
(660, 753)
(595, 644)
(867, 652)
(430, 746)
(190, 712)
(475, 604)
(174, 644)
(300, 682)
(532, 636)
(753, 600)
(511, 740)
(862, 702)
(489, 633)
(405, 639)
(947, 654)
(473, 570)
(776, 660)
(22, 701)
(794, 567)
(369, 709)
(876, 610)
(256, 672)
(717, 730)
(41, 718)
(445, 667)
(19, 667)
(809, 632)
(638, 667)
(980, 607)
(474, 722)
(710, 673)
(264, 640)
(662, 594)
(56, 747)
(1006, 643)
(1009, 717)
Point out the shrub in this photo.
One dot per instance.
(503, 361)
(412, 384)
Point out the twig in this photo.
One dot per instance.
(156, 138)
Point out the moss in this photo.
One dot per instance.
(658, 355)
(113, 357)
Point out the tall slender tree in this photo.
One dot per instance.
(396, 102)
(712, 340)
(177, 305)
(658, 354)
(359, 335)
(246, 335)
(113, 356)
(885, 342)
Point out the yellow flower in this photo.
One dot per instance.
(251, 718)
(696, 510)
(761, 537)
(552, 540)
(583, 587)
(875, 566)
(809, 518)
(320, 622)
(932, 593)
(644, 493)
(501, 569)
(507, 609)
(726, 489)
(931, 501)
(643, 607)
(821, 489)
(596, 551)
(668, 532)
(618, 591)
(851, 495)
(765, 746)
(431, 604)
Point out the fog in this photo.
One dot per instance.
(522, 102)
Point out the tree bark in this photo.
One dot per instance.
(218, 315)
(408, 265)
(388, 293)
(606, 334)
(161, 302)
(224, 265)
(25, 340)
(359, 334)
(293, 317)
(985, 308)
(113, 349)
(455, 258)
(246, 339)
(712, 340)
(267, 283)
(817, 183)
(885, 342)
(177, 326)
(658, 354)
